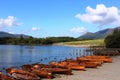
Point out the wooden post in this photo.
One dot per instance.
(76, 52)
(79, 53)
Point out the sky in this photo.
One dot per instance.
(55, 18)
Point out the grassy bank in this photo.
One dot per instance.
(96, 42)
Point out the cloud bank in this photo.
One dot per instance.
(9, 22)
(102, 15)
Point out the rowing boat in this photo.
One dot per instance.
(21, 74)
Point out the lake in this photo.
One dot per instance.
(17, 55)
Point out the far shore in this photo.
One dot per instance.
(61, 44)
(78, 45)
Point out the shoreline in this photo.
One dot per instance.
(60, 44)
(108, 71)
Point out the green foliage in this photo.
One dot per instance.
(4, 40)
(35, 41)
(113, 41)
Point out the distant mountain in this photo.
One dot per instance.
(5, 34)
(18, 35)
(98, 34)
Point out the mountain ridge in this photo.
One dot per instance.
(99, 34)
(6, 34)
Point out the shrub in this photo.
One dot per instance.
(113, 40)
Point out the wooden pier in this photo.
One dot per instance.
(102, 50)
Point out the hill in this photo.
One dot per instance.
(99, 34)
(5, 34)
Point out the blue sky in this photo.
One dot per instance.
(49, 18)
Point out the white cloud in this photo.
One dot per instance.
(102, 15)
(80, 30)
(9, 22)
(35, 28)
(11, 32)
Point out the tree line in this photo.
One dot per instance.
(35, 41)
(113, 40)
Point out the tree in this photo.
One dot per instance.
(47, 41)
(113, 40)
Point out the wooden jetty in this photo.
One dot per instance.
(102, 50)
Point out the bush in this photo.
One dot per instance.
(113, 40)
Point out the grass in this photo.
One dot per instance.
(96, 42)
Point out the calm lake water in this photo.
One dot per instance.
(16, 55)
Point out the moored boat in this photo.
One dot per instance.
(43, 73)
(53, 69)
(68, 65)
(89, 64)
(37, 65)
(105, 59)
(5, 77)
(83, 59)
(38, 71)
(21, 74)
(61, 71)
